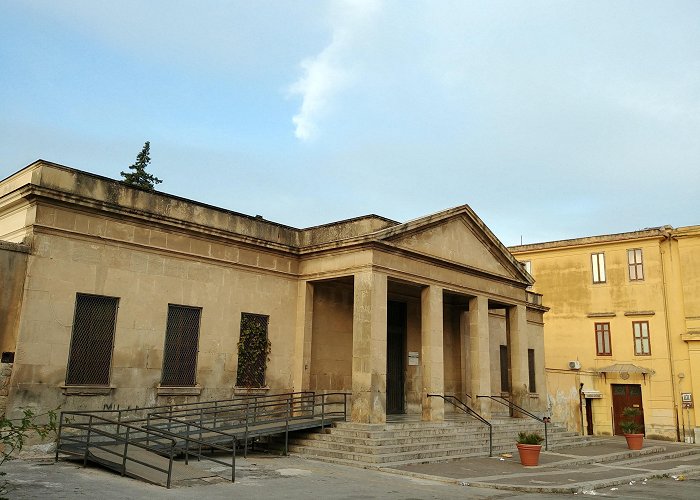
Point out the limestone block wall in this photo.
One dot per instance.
(145, 280)
(452, 354)
(331, 344)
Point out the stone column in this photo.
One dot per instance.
(465, 356)
(433, 363)
(303, 332)
(480, 354)
(516, 327)
(369, 348)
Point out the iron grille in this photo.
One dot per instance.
(181, 345)
(253, 349)
(92, 340)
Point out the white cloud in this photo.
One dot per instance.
(328, 73)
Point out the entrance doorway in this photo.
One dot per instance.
(589, 417)
(625, 395)
(395, 357)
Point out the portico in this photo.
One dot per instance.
(399, 321)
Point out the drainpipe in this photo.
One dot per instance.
(580, 406)
(668, 238)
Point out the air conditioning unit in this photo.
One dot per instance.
(574, 365)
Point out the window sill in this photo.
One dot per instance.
(86, 390)
(194, 390)
(251, 391)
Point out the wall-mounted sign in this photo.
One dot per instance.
(412, 358)
(687, 399)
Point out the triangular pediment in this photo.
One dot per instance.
(459, 240)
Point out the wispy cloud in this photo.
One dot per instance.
(328, 73)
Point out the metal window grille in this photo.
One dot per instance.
(92, 340)
(253, 349)
(181, 346)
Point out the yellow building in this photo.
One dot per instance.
(623, 328)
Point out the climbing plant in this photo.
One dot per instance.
(253, 350)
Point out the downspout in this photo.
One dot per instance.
(580, 407)
(668, 239)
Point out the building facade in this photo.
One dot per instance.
(115, 296)
(623, 328)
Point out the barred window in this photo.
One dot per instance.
(253, 349)
(181, 346)
(92, 340)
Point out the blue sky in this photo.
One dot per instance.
(550, 119)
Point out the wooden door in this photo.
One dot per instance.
(625, 395)
(589, 417)
(395, 357)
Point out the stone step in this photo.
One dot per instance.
(406, 456)
(384, 441)
(397, 443)
(386, 450)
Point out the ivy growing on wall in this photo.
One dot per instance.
(253, 350)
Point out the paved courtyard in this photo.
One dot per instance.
(265, 476)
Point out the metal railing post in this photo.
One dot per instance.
(323, 411)
(170, 464)
(286, 428)
(245, 444)
(126, 445)
(233, 461)
(58, 437)
(187, 444)
(546, 440)
(87, 441)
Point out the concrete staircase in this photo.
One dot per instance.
(401, 443)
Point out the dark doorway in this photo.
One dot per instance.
(395, 356)
(589, 417)
(625, 395)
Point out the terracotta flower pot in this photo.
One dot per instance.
(634, 441)
(529, 454)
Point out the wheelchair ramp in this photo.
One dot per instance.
(143, 443)
(143, 464)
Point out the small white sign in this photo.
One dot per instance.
(412, 358)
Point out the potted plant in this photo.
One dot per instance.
(631, 428)
(529, 445)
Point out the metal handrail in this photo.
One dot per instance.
(188, 421)
(522, 410)
(457, 403)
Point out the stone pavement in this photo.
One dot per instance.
(582, 470)
(606, 462)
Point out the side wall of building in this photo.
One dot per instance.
(119, 260)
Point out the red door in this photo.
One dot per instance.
(625, 395)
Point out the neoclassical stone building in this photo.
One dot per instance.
(116, 296)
